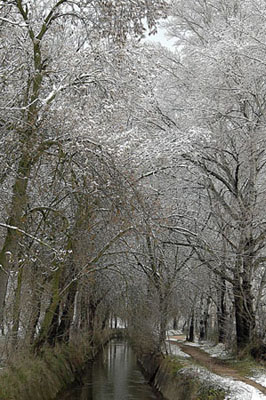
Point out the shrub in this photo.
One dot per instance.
(41, 377)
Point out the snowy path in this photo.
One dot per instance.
(241, 388)
(217, 366)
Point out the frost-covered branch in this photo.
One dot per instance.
(15, 228)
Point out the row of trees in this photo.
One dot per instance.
(228, 65)
(65, 203)
(132, 175)
(211, 165)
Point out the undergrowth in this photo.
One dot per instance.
(187, 383)
(209, 393)
(42, 377)
(174, 364)
(246, 366)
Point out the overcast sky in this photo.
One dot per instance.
(161, 38)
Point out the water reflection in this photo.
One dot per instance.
(113, 376)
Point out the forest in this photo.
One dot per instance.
(132, 174)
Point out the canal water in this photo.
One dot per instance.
(114, 375)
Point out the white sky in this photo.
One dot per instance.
(161, 37)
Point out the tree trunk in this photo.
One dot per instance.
(52, 333)
(243, 299)
(221, 311)
(105, 319)
(163, 319)
(244, 315)
(206, 318)
(67, 314)
(190, 337)
(51, 315)
(15, 220)
(16, 308)
(36, 312)
(175, 323)
(83, 310)
(36, 288)
(92, 307)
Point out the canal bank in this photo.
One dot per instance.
(113, 375)
(118, 374)
(72, 372)
(41, 376)
(179, 379)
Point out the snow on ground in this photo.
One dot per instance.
(192, 344)
(218, 351)
(242, 391)
(236, 390)
(174, 350)
(172, 332)
(239, 390)
(259, 377)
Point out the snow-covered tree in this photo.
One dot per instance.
(56, 103)
(216, 94)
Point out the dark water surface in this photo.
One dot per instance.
(114, 375)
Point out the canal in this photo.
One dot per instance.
(114, 375)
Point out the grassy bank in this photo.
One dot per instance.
(177, 380)
(42, 377)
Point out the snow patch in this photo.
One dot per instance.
(193, 344)
(236, 390)
(173, 332)
(176, 351)
(218, 351)
(242, 391)
(259, 377)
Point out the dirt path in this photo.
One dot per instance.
(216, 365)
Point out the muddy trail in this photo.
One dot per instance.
(216, 365)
